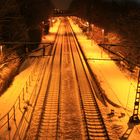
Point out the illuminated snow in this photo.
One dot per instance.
(118, 86)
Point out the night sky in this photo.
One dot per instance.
(61, 4)
(64, 4)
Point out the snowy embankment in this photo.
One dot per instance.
(19, 97)
(8, 69)
(118, 86)
(10, 96)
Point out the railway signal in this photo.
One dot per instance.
(135, 118)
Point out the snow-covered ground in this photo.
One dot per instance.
(24, 82)
(10, 95)
(119, 87)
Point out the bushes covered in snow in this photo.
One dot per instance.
(7, 72)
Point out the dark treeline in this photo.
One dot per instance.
(20, 19)
(120, 17)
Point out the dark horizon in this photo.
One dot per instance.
(61, 4)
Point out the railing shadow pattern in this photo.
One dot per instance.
(20, 101)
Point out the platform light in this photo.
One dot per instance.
(103, 31)
(1, 50)
(53, 20)
(92, 26)
(87, 23)
(103, 35)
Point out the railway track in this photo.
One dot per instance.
(44, 118)
(92, 117)
(66, 108)
(31, 93)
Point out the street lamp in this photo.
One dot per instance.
(103, 35)
(103, 38)
(92, 33)
(1, 47)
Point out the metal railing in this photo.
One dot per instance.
(5, 120)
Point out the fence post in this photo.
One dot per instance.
(9, 128)
(19, 102)
(33, 74)
(14, 113)
(29, 81)
(32, 77)
(26, 87)
(23, 94)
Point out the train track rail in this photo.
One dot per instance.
(66, 106)
(44, 120)
(92, 117)
(14, 123)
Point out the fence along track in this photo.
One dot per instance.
(45, 112)
(21, 129)
(9, 120)
(21, 95)
(94, 124)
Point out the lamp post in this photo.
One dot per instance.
(92, 33)
(103, 35)
(1, 53)
(103, 38)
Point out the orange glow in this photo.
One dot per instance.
(119, 88)
(1, 50)
(103, 31)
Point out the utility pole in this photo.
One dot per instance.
(135, 118)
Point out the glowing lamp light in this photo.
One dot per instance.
(103, 31)
(103, 35)
(92, 25)
(1, 49)
(53, 20)
(87, 23)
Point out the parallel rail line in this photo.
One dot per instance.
(94, 123)
(44, 106)
(24, 100)
(47, 123)
(46, 117)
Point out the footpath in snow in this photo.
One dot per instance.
(118, 87)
